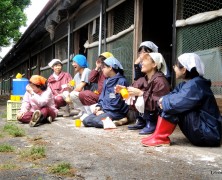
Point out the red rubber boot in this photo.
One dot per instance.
(160, 137)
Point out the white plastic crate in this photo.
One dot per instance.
(12, 108)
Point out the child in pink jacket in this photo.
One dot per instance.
(38, 105)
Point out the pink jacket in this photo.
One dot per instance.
(36, 101)
(56, 85)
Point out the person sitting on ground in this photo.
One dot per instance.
(38, 104)
(89, 97)
(146, 91)
(59, 82)
(145, 47)
(191, 105)
(110, 104)
(96, 79)
(81, 80)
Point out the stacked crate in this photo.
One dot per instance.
(12, 109)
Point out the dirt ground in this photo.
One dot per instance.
(98, 154)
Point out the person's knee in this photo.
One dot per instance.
(87, 123)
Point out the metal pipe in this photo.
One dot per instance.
(100, 27)
(174, 42)
(68, 62)
(104, 25)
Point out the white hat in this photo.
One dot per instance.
(150, 45)
(53, 62)
(160, 62)
(190, 60)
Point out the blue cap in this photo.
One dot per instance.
(80, 60)
(113, 62)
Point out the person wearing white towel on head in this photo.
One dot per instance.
(147, 90)
(191, 105)
(147, 47)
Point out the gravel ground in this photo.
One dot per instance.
(105, 154)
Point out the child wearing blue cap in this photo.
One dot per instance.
(110, 104)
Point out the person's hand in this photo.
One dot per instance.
(98, 65)
(118, 87)
(134, 91)
(99, 112)
(69, 87)
(143, 55)
(137, 61)
(19, 115)
(97, 108)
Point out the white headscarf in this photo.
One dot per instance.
(53, 62)
(150, 45)
(190, 60)
(160, 62)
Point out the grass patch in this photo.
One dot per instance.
(1, 135)
(14, 130)
(8, 166)
(34, 153)
(63, 169)
(6, 148)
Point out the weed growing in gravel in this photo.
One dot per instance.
(1, 135)
(63, 168)
(8, 166)
(6, 148)
(36, 152)
(14, 130)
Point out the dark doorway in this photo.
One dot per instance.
(157, 26)
(83, 37)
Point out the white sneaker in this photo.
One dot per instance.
(35, 118)
(78, 115)
(83, 116)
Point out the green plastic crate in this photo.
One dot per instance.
(12, 108)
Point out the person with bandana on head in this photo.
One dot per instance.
(145, 92)
(191, 105)
(96, 76)
(81, 80)
(109, 104)
(96, 79)
(38, 104)
(59, 82)
(146, 47)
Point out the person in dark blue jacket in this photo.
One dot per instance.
(110, 104)
(191, 105)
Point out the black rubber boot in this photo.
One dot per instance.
(140, 124)
(149, 128)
